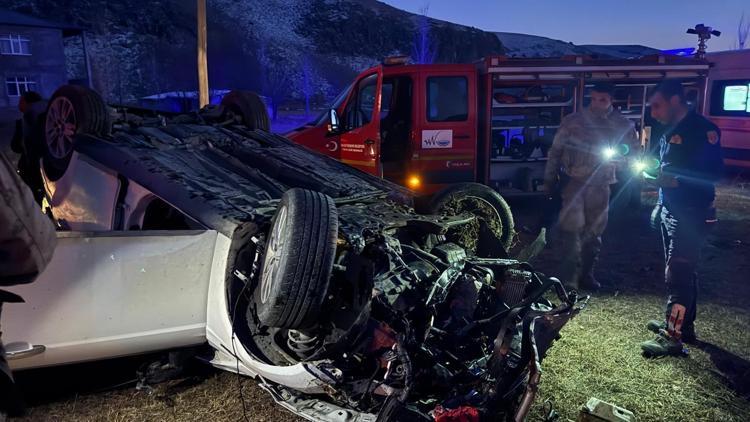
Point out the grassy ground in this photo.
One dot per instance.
(598, 355)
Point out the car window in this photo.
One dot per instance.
(447, 99)
(159, 215)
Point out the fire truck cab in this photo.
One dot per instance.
(492, 122)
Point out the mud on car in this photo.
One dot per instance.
(317, 279)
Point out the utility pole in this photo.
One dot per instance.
(202, 57)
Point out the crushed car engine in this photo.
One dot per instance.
(417, 326)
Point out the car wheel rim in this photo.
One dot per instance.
(60, 126)
(272, 259)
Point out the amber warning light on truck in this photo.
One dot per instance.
(414, 182)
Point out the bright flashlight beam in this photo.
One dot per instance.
(639, 166)
(609, 152)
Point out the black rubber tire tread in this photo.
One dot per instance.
(92, 118)
(306, 261)
(481, 191)
(250, 107)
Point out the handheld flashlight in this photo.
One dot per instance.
(609, 153)
(638, 166)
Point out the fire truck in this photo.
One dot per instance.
(451, 127)
(428, 126)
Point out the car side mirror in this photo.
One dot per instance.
(334, 125)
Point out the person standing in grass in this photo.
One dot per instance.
(580, 168)
(690, 164)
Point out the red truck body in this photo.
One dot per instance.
(428, 126)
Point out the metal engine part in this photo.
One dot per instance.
(596, 410)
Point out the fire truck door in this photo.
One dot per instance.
(360, 121)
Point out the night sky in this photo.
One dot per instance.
(654, 23)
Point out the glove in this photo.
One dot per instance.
(655, 220)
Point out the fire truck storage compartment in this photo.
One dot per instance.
(527, 99)
(526, 114)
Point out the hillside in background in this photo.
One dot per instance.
(524, 45)
(287, 50)
(284, 49)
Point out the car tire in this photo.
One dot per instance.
(459, 198)
(297, 260)
(246, 107)
(72, 110)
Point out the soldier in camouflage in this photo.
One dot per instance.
(582, 164)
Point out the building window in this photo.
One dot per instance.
(15, 45)
(17, 85)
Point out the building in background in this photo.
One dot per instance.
(32, 57)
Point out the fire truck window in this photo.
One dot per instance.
(386, 96)
(359, 110)
(447, 99)
(325, 115)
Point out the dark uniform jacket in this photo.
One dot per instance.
(691, 152)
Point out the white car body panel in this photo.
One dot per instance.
(111, 294)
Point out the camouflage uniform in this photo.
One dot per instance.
(27, 241)
(577, 156)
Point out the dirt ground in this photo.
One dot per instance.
(597, 356)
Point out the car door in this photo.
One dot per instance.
(109, 293)
(360, 136)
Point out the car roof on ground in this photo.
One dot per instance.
(224, 177)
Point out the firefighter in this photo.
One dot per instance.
(690, 153)
(581, 166)
(27, 241)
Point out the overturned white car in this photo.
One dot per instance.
(299, 270)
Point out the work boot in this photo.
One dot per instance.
(589, 257)
(663, 345)
(688, 334)
(570, 264)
